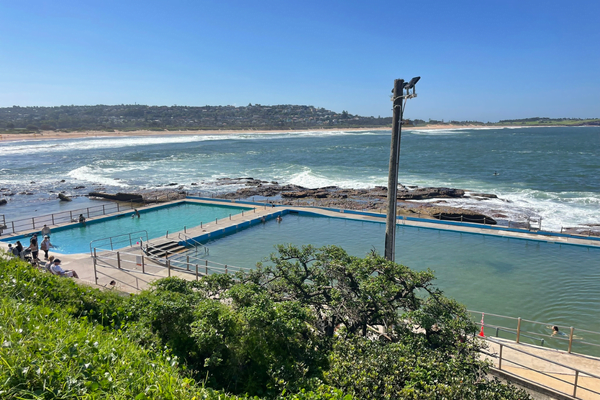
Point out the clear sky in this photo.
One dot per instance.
(479, 60)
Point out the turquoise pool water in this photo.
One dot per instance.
(155, 221)
(535, 280)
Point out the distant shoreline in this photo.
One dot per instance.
(46, 135)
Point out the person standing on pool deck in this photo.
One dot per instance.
(19, 248)
(45, 246)
(33, 246)
(46, 231)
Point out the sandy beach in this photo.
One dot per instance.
(45, 135)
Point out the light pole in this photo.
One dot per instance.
(399, 99)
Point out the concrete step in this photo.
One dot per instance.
(164, 248)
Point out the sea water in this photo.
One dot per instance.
(550, 172)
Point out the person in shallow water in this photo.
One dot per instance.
(82, 219)
(46, 230)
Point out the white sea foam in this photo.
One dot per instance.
(41, 146)
(95, 175)
(307, 178)
(438, 132)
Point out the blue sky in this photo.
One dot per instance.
(479, 60)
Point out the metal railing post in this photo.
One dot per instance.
(118, 260)
(103, 210)
(196, 271)
(169, 267)
(70, 216)
(33, 222)
(571, 339)
(95, 273)
(188, 262)
(143, 265)
(500, 357)
(52, 219)
(225, 269)
(575, 383)
(88, 212)
(118, 209)
(518, 329)
(206, 268)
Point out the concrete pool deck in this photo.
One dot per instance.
(83, 262)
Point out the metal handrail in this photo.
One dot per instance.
(197, 244)
(110, 239)
(569, 336)
(576, 371)
(201, 268)
(54, 219)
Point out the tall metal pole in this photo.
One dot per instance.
(390, 225)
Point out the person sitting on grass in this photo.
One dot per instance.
(57, 270)
(49, 264)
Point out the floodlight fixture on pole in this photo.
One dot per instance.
(399, 99)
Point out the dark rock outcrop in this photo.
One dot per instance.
(63, 197)
(473, 218)
(135, 197)
(3, 202)
(430, 193)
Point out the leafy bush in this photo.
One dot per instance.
(408, 370)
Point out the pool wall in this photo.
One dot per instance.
(104, 218)
(237, 227)
(493, 229)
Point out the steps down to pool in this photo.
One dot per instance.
(163, 248)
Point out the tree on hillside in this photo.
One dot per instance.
(361, 292)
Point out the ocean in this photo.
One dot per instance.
(550, 172)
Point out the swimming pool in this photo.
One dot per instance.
(532, 279)
(156, 221)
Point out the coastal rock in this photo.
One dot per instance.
(486, 195)
(135, 197)
(79, 187)
(430, 193)
(473, 218)
(64, 197)
(3, 202)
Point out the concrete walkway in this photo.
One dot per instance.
(550, 368)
